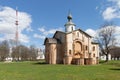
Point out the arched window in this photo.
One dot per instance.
(72, 28)
(93, 48)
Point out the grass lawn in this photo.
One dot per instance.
(36, 71)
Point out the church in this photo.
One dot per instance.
(74, 46)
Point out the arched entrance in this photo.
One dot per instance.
(77, 49)
(77, 55)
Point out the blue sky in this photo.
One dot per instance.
(41, 18)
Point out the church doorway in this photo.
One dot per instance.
(77, 49)
(77, 55)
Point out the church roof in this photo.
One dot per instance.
(51, 41)
(71, 32)
(82, 32)
(85, 33)
(58, 32)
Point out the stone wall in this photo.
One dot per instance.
(50, 53)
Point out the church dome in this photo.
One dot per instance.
(69, 26)
(69, 17)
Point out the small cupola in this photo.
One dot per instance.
(69, 26)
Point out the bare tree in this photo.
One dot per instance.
(24, 52)
(106, 38)
(4, 50)
(15, 49)
(15, 53)
(33, 52)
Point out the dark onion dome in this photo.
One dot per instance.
(69, 17)
(69, 20)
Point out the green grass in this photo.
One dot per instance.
(36, 71)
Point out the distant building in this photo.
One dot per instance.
(40, 54)
(73, 46)
(9, 58)
(113, 55)
(103, 57)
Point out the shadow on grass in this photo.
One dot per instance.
(101, 62)
(39, 63)
(115, 69)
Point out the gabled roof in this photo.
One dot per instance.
(85, 33)
(52, 41)
(58, 32)
(82, 32)
(73, 31)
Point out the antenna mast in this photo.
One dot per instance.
(16, 23)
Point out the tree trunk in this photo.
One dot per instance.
(106, 58)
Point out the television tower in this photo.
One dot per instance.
(16, 23)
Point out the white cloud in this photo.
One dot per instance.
(94, 33)
(109, 13)
(117, 35)
(115, 1)
(44, 32)
(39, 36)
(91, 32)
(7, 24)
(113, 11)
(24, 38)
(41, 29)
(29, 29)
(47, 32)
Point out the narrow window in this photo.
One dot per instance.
(93, 48)
(77, 34)
(86, 47)
(93, 55)
(72, 28)
(82, 37)
(70, 52)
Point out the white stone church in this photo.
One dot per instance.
(74, 46)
